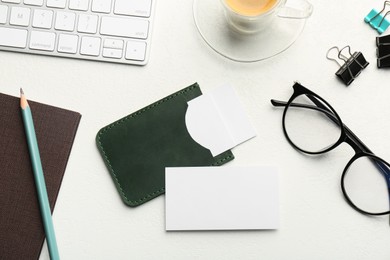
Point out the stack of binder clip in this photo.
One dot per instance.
(383, 51)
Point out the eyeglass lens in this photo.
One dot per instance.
(310, 128)
(366, 185)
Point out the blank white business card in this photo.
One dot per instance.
(221, 198)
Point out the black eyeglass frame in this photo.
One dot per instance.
(346, 135)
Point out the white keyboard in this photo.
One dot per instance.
(104, 30)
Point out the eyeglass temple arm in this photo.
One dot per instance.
(320, 107)
(278, 103)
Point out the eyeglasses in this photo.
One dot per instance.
(312, 126)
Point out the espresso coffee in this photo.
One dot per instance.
(251, 7)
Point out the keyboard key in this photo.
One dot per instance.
(56, 3)
(87, 23)
(81, 5)
(10, 37)
(43, 41)
(125, 27)
(3, 14)
(112, 53)
(113, 44)
(20, 16)
(67, 43)
(90, 46)
(135, 50)
(101, 6)
(42, 18)
(133, 7)
(34, 2)
(65, 21)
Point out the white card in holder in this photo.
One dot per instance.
(217, 120)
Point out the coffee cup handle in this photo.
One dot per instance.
(295, 9)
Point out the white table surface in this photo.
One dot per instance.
(92, 222)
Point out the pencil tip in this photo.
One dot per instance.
(21, 91)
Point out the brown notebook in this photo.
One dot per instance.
(21, 229)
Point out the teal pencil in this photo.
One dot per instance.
(38, 176)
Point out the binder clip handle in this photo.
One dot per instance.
(333, 59)
(341, 56)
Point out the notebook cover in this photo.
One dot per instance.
(138, 147)
(21, 229)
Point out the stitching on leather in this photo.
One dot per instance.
(221, 161)
(105, 129)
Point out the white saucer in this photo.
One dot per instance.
(212, 25)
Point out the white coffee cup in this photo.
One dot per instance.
(253, 21)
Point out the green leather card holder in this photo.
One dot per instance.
(137, 148)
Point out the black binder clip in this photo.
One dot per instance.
(352, 66)
(383, 51)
